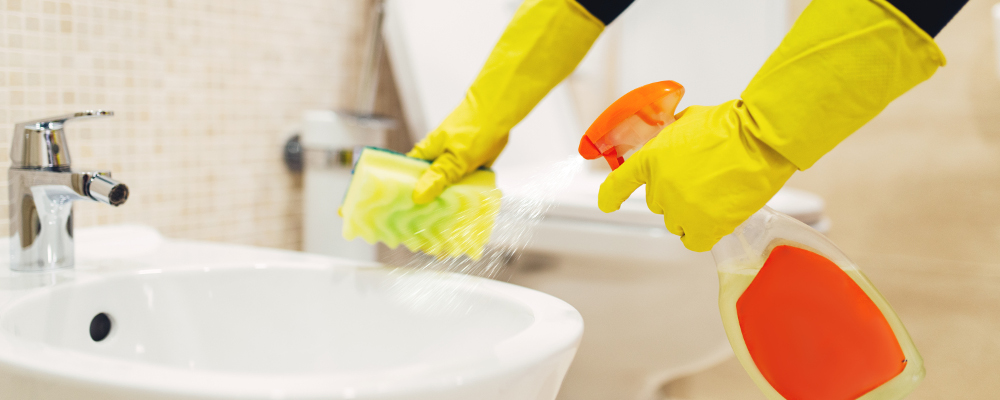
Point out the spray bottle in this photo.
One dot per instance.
(803, 320)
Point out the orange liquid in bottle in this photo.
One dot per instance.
(813, 332)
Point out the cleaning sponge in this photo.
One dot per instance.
(379, 206)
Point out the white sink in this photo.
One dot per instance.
(251, 323)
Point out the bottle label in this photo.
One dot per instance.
(813, 332)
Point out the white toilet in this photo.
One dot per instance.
(650, 306)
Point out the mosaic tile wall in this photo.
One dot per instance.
(205, 93)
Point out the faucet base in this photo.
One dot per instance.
(45, 238)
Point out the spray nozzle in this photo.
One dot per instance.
(631, 121)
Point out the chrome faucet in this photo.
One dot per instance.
(42, 188)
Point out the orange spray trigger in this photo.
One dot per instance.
(631, 121)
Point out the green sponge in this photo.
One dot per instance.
(379, 207)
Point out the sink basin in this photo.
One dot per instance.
(282, 326)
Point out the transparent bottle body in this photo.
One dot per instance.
(740, 257)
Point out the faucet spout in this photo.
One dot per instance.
(102, 188)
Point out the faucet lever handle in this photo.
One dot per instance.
(41, 143)
(61, 119)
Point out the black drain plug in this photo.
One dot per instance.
(100, 327)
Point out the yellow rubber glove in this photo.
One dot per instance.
(842, 63)
(540, 47)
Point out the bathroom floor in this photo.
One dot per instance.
(951, 309)
(915, 201)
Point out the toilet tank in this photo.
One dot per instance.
(712, 47)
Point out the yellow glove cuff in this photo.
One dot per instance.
(540, 47)
(840, 65)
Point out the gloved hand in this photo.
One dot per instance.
(705, 173)
(540, 47)
(458, 146)
(842, 63)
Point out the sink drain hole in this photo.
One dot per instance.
(100, 327)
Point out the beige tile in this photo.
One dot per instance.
(204, 94)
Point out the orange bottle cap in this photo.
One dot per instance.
(643, 102)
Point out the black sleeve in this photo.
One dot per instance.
(605, 10)
(929, 15)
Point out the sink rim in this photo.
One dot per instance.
(557, 328)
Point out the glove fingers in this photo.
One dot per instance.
(692, 240)
(652, 204)
(428, 148)
(444, 171)
(695, 239)
(675, 229)
(699, 243)
(429, 187)
(618, 186)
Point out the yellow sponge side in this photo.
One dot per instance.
(379, 207)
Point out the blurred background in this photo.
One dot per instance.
(206, 93)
